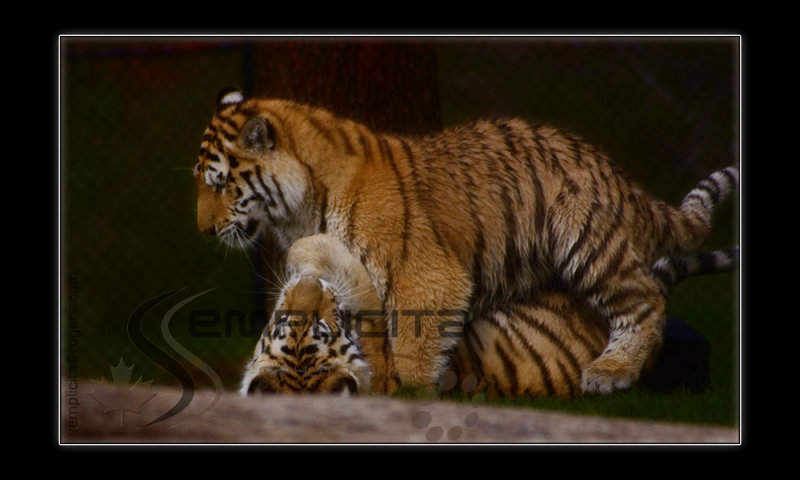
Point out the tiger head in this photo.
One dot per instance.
(304, 348)
(249, 176)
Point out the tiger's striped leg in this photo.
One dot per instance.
(426, 325)
(375, 345)
(636, 313)
(421, 353)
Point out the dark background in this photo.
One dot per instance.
(133, 110)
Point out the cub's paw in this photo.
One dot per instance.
(605, 376)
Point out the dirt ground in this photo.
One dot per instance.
(94, 413)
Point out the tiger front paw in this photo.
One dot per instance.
(606, 376)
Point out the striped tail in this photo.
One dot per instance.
(669, 271)
(689, 226)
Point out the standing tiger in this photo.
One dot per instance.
(318, 342)
(477, 216)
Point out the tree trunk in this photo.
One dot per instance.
(388, 85)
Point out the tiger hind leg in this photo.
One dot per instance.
(636, 315)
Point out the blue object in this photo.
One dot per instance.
(684, 361)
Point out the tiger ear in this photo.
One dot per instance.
(229, 96)
(256, 135)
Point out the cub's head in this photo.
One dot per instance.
(304, 348)
(248, 176)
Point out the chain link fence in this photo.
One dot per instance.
(133, 111)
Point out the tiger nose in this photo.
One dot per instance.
(206, 222)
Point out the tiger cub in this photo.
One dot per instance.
(304, 347)
(535, 349)
(479, 215)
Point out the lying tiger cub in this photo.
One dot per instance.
(327, 333)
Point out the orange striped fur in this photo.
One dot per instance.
(468, 220)
(532, 349)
